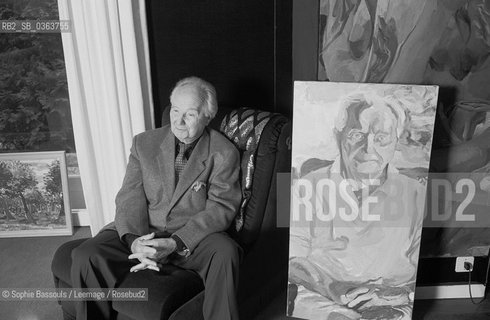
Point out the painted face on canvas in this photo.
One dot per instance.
(187, 118)
(368, 142)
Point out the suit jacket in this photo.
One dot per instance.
(204, 201)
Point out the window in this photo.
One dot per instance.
(34, 104)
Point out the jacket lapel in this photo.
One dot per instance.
(165, 159)
(194, 167)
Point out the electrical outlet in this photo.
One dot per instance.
(460, 261)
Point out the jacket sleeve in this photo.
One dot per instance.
(131, 203)
(223, 198)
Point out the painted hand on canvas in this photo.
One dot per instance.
(356, 214)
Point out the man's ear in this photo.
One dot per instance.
(208, 120)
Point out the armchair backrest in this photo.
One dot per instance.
(258, 136)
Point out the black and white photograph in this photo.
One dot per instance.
(150, 151)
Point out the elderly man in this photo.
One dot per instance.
(180, 193)
(358, 255)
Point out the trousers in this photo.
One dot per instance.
(102, 261)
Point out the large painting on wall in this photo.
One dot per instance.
(34, 195)
(360, 161)
(432, 42)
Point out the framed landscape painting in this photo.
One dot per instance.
(34, 195)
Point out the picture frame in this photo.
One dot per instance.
(34, 197)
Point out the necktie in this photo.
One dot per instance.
(180, 161)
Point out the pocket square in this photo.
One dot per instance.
(198, 185)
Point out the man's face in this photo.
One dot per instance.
(187, 119)
(368, 143)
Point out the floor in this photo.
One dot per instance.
(26, 263)
(447, 309)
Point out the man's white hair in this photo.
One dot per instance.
(366, 100)
(207, 92)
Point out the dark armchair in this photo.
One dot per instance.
(263, 139)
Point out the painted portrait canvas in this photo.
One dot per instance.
(360, 159)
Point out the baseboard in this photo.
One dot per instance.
(450, 291)
(80, 217)
(437, 278)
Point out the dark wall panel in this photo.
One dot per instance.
(227, 42)
(305, 39)
(284, 57)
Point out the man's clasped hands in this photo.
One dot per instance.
(151, 252)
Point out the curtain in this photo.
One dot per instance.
(107, 66)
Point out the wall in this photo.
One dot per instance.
(305, 39)
(242, 47)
